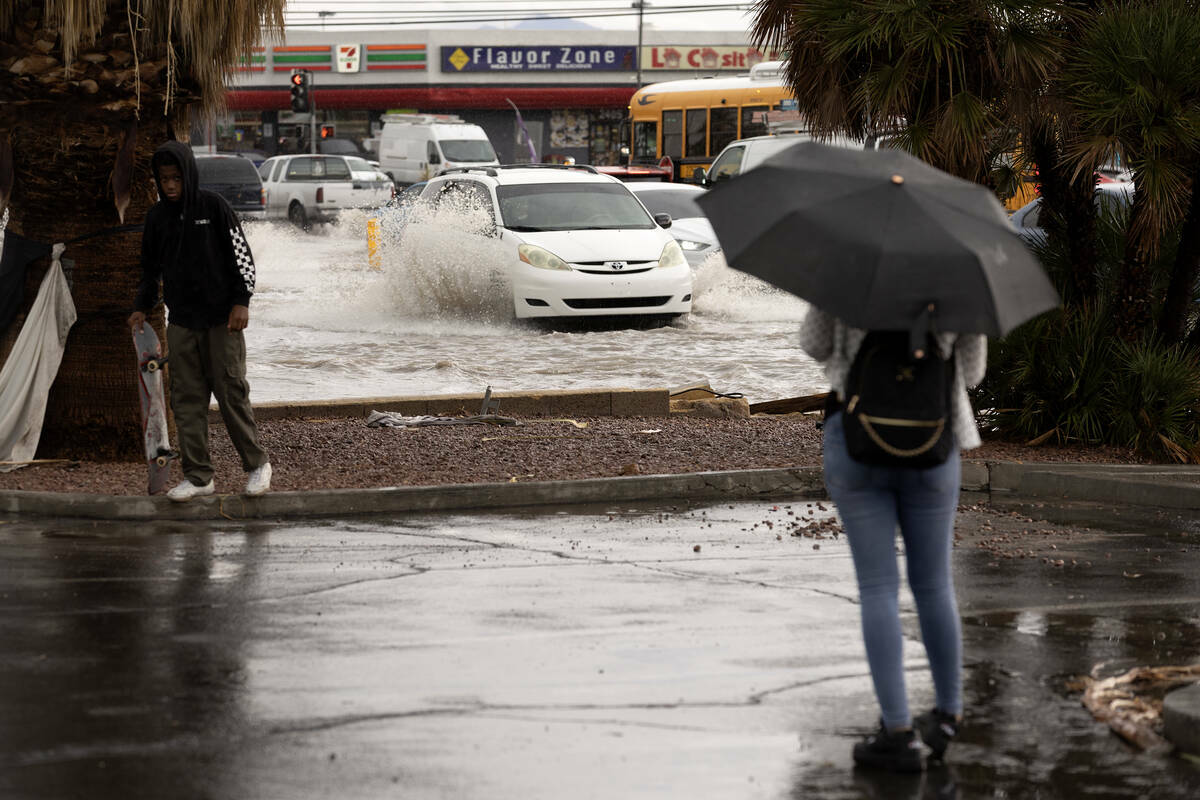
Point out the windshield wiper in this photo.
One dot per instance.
(524, 228)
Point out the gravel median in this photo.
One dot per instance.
(344, 453)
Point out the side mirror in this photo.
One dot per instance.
(700, 176)
(662, 220)
(434, 158)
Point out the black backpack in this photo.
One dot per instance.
(896, 407)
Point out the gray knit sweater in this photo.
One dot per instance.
(827, 339)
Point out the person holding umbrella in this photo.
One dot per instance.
(908, 269)
(874, 500)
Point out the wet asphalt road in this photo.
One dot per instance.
(581, 653)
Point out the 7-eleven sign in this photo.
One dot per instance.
(348, 57)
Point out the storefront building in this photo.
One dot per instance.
(565, 92)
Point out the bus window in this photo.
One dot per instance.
(722, 128)
(752, 121)
(697, 140)
(672, 137)
(645, 140)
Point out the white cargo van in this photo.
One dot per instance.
(415, 147)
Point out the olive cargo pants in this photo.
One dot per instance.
(206, 363)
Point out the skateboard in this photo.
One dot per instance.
(154, 410)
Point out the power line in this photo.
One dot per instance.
(463, 17)
(416, 5)
(621, 9)
(517, 11)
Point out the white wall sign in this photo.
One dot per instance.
(349, 56)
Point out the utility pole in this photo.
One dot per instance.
(640, 5)
(312, 118)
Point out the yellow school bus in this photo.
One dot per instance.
(691, 120)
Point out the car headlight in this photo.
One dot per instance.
(672, 256)
(538, 257)
(692, 246)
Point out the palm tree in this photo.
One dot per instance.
(88, 89)
(956, 83)
(1136, 89)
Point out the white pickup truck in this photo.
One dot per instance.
(307, 189)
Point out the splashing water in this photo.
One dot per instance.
(437, 319)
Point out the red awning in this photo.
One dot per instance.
(438, 98)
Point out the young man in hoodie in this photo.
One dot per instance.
(193, 242)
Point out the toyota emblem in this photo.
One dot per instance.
(618, 264)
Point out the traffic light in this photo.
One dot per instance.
(300, 100)
(326, 131)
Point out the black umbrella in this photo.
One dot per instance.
(877, 238)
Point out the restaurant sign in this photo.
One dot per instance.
(703, 57)
(540, 58)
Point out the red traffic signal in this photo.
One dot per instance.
(300, 99)
(326, 131)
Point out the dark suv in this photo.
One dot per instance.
(235, 179)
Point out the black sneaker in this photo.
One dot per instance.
(895, 751)
(937, 729)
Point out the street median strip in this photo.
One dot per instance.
(732, 485)
(1173, 487)
(553, 403)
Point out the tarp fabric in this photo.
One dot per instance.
(15, 257)
(33, 364)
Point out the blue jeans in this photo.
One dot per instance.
(873, 501)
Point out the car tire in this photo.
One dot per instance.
(299, 217)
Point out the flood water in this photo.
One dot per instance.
(324, 325)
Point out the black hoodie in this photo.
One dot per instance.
(196, 246)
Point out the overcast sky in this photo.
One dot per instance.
(607, 14)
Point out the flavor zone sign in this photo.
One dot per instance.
(703, 57)
(547, 58)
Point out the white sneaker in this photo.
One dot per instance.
(259, 481)
(187, 490)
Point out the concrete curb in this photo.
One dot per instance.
(1161, 486)
(1181, 718)
(559, 403)
(1157, 486)
(734, 485)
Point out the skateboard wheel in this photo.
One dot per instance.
(162, 461)
(151, 366)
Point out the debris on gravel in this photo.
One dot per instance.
(310, 454)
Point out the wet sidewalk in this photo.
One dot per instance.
(614, 651)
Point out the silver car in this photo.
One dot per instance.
(689, 226)
(1026, 220)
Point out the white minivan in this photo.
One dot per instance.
(573, 242)
(416, 147)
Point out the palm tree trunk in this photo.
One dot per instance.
(1134, 306)
(1068, 214)
(62, 189)
(1182, 290)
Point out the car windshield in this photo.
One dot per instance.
(359, 164)
(570, 207)
(679, 203)
(233, 169)
(468, 150)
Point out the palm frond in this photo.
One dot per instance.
(199, 40)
